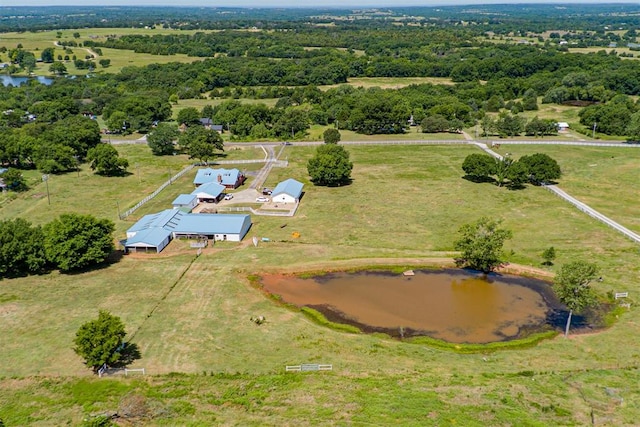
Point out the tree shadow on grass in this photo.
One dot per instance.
(342, 183)
(118, 174)
(479, 179)
(129, 354)
(516, 187)
(113, 258)
(541, 183)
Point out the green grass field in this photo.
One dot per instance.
(120, 58)
(88, 193)
(594, 174)
(192, 316)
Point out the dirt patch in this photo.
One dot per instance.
(525, 270)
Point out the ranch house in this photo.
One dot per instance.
(230, 178)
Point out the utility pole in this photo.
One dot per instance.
(594, 130)
(45, 178)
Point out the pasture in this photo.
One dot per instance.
(191, 315)
(120, 58)
(594, 174)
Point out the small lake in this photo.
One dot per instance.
(7, 80)
(452, 305)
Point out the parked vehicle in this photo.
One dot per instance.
(262, 199)
(228, 196)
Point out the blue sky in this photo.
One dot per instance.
(284, 3)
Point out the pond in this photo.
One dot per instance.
(7, 80)
(457, 306)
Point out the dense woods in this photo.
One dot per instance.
(495, 78)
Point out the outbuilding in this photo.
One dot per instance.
(211, 192)
(152, 233)
(288, 191)
(220, 227)
(185, 202)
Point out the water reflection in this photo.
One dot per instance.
(7, 80)
(452, 305)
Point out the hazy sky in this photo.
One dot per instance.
(284, 3)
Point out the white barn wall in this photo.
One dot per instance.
(283, 198)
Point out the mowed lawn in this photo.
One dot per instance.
(405, 203)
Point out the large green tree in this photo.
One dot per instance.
(21, 250)
(47, 55)
(14, 180)
(58, 68)
(541, 127)
(434, 124)
(199, 134)
(572, 286)
(202, 150)
(481, 244)
(330, 166)
(78, 132)
(161, 139)
(509, 124)
(291, 122)
(331, 136)
(118, 122)
(479, 167)
(189, 116)
(51, 157)
(99, 340)
(76, 242)
(541, 168)
(632, 131)
(104, 159)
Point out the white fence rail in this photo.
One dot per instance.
(128, 212)
(577, 203)
(593, 213)
(282, 163)
(106, 371)
(308, 367)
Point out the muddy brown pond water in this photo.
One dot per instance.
(457, 306)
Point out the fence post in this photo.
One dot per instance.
(156, 192)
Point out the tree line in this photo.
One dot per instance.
(69, 243)
(537, 169)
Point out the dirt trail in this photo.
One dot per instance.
(89, 51)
